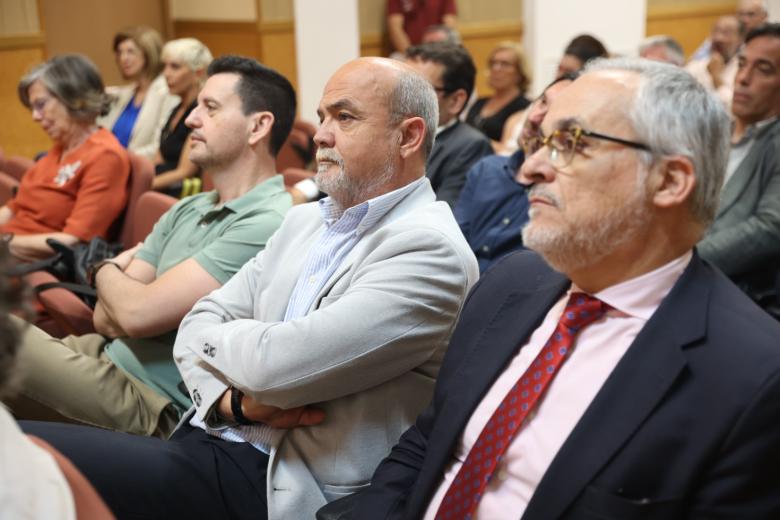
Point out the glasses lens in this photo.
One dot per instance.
(563, 143)
(532, 144)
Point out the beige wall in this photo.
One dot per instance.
(211, 10)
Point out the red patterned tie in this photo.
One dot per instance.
(464, 493)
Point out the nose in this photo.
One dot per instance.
(536, 168)
(743, 75)
(323, 137)
(193, 120)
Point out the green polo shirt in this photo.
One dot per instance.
(221, 239)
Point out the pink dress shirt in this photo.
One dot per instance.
(597, 350)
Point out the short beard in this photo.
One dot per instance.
(583, 243)
(349, 190)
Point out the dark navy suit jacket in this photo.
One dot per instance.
(686, 426)
(454, 151)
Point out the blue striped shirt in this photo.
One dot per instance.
(343, 229)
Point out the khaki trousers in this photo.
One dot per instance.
(74, 378)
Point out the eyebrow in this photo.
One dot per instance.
(209, 99)
(568, 122)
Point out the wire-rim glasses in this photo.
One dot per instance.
(563, 144)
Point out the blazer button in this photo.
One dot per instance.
(209, 349)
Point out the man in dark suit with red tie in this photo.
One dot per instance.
(613, 373)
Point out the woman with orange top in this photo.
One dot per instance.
(79, 188)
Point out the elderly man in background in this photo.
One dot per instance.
(744, 240)
(306, 366)
(615, 374)
(717, 71)
(662, 48)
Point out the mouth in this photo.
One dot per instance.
(740, 97)
(196, 138)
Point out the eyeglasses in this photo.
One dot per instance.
(563, 144)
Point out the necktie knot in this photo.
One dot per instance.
(581, 310)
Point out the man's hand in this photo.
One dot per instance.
(272, 415)
(715, 68)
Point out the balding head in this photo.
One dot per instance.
(751, 14)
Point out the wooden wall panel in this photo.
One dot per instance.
(221, 37)
(278, 49)
(19, 135)
(88, 27)
(689, 23)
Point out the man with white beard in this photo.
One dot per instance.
(612, 373)
(307, 365)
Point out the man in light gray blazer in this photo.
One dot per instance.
(744, 240)
(306, 367)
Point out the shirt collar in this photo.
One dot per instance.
(754, 130)
(442, 128)
(363, 216)
(641, 296)
(208, 209)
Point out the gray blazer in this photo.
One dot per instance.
(367, 353)
(744, 240)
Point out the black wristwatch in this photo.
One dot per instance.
(236, 396)
(93, 269)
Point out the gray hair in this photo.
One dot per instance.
(190, 51)
(413, 96)
(674, 50)
(75, 81)
(674, 114)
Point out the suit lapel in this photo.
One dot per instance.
(636, 386)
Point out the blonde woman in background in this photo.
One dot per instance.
(141, 107)
(184, 67)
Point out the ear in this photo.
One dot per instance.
(675, 180)
(412, 136)
(260, 127)
(456, 101)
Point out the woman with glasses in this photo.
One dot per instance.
(509, 79)
(141, 107)
(79, 188)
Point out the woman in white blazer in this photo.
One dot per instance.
(142, 107)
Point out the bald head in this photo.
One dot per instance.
(751, 14)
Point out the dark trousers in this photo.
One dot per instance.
(190, 476)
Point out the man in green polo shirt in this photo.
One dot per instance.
(130, 383)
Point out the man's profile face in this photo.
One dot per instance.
(725, 36)
(219, 127)
(588, 208)
(757, 84)
(358, 147)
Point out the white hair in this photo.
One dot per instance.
(673, 114)
(674, 51)
(189, 51)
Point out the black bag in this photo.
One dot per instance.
(70, 264)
